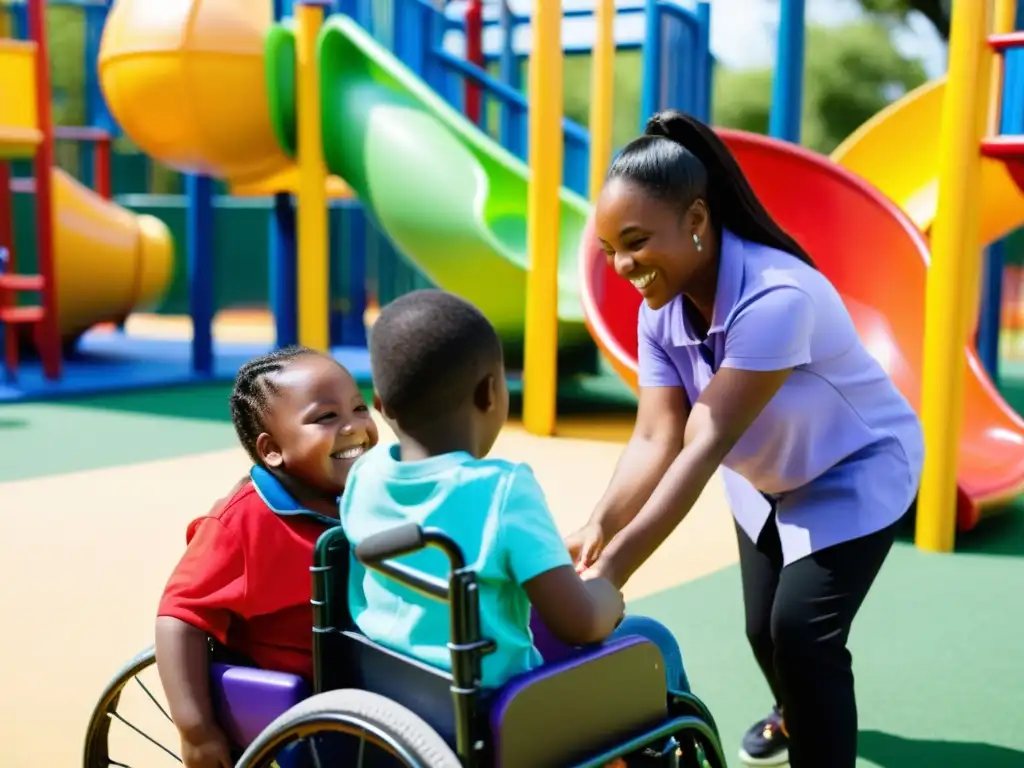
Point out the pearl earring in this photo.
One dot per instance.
(696, 241)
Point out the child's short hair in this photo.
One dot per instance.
(252, 393)
(428, 350)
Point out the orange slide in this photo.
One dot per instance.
(877, 258)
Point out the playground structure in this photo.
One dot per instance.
(376, 104)
(95, 261)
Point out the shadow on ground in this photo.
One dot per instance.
(887, 750)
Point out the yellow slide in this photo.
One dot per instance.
(897, 150)
(107, 261)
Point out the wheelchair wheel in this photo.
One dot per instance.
(130, 724)
(379, 732)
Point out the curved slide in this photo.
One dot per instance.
(450, 198)
(900, 131)
(107, 261)
(878, 260)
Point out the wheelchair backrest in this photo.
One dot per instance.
(420, 687)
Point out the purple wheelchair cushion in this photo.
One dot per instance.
(551, 648)
(247, 699)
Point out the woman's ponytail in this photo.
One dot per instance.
(729, 195)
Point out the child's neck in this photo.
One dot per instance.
(420, 447)
(310, 498)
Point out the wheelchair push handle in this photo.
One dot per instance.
(405, 539)
(394, 542)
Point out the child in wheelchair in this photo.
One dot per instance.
(244, 577)
(440, 384)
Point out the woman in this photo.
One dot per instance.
(748, 359)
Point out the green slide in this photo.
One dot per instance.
(451, 199)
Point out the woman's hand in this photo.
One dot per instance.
(585, 545)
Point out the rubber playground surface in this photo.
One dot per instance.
(96, 494)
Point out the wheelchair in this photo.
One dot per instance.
(600, 704)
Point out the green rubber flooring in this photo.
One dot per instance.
(937, 647)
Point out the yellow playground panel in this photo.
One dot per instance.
(19, 128)
(210, 112)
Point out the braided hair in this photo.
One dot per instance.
(679, 160)
(254, 387)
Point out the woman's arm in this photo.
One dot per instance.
(656, 440)
(724, 411)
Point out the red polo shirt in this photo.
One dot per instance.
(245, 578)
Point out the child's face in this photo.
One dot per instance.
(318, 424)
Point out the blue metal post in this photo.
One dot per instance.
(283, 251)
(283, 265)
(353, 323)
(705, 64)
(650, 96)
(787, 85)
(989, 325)
(20, 17)
(511, 132)
(94, 18)
(1011, 122)
(201, 267)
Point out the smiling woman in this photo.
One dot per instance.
(748, 359)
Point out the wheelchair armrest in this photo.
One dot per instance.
(247, 699)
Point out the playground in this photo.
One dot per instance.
(339, 154)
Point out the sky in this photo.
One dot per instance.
(743, 31)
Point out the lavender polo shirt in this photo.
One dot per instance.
(838, 449)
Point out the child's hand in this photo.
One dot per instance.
(207, 749)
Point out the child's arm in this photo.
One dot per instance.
(182, 659)
(205, 591)
(577, 612)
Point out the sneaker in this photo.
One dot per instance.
(766, 743)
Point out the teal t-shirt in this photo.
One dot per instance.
(494, 509)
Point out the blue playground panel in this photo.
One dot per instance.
(109, 361)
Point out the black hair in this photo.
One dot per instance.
(254, 386)
(680, 159)
(429, 350)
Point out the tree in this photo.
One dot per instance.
(851, 72)
(936, 11)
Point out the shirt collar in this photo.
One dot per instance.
(727, 294)
(280, 502)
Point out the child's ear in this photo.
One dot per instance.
(485, 396)
(377, 404)
(268, 450)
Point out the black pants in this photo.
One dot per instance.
(798, 622)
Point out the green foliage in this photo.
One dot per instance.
(628, 79)
(936, 11)
(850, 74)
